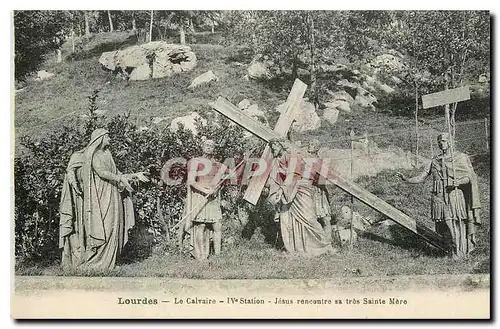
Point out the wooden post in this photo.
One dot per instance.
(486, 134)
(87, 24)
(72, 41)
(432, 147)
(162, 219)
(182, 33)
(111, 28)
(134, 27)
(151, 27)
(416, 122)
(351, 233)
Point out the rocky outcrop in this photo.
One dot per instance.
(392, 61)
(205, 78)
(365, 99)
(189, 122)
(43, 75)
(156, 59)
(339, 100)
(307, 118)
(262, 68)
(331, 115)
(253, 111)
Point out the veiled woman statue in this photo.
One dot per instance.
(96, 210)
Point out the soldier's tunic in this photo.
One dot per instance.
(203, 212)
(455, 211)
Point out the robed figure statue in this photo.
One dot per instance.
(96, 209)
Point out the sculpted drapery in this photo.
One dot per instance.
(94, 226)
(300, 229)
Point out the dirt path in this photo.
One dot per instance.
(458, 282)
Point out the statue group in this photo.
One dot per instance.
(96, 209)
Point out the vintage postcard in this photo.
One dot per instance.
(234, 164)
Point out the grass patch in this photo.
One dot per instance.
(244, 261)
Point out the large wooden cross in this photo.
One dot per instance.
(237, 116)
(292, 106)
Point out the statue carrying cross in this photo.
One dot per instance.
(257, 182)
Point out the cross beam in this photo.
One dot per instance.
(284, 123)
(230, 111)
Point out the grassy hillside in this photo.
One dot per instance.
(43, 106)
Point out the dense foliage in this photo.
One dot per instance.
(36, 33)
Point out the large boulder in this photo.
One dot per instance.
(339, 100)
(483, 78)
(307, 118)
(358, 221)
(156, 59)
(341, 95)
(253, 111)
(244, 104)
(372, 83)
(188, 122)
(205, 78)
(386, 88)
(142, 72)
(390, 62)
(331, 115)
(261, 68)
(43, 75)
(346, 84)
(365, 99)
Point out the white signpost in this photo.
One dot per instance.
(446, 97)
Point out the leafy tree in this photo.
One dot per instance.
(449, 46)
(37, 33)
(307, 39)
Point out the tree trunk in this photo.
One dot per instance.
(182, 34)
(160, 33)
(254, 42)
(72, 40)
(191, 25)
(295, 66)
(213, 26)
(416, 121)
(312, 68)
(111, 29)
(87, 26)
(151, 27)
(134, 27)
